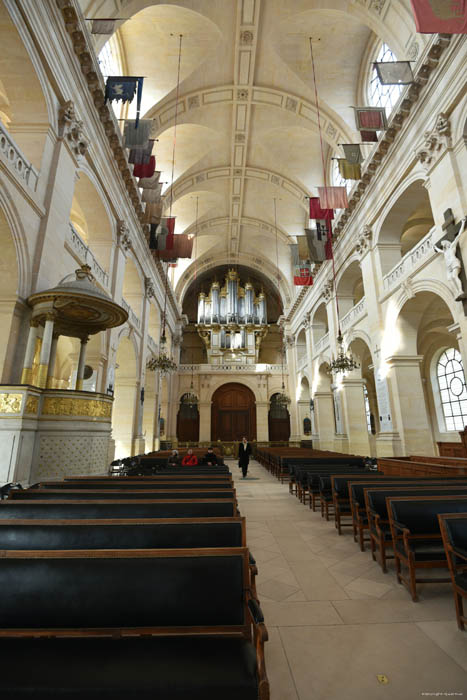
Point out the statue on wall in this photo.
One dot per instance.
(452, 262)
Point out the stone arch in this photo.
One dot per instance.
(25, 97)
(319, 322)
(133, 286)
(154, 322)
(349, 287)
(361, 351)
(92, 218)
(14, 268)
(406, 219)
(125, 396)
(233, 411)
(300, 344)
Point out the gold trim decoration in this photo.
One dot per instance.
(10, 403)
(32, 404)
(64, 406)
(26, 375)
(42, 376)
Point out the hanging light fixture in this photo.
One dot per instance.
(190, 399)
(343, 363)
(163, 363)
(283, 399)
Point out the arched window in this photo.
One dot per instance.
(383, 95)
(452, 389)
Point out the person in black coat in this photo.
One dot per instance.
(210, 459)
(244, 452)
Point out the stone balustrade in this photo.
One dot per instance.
(354, 315)
(16, 160)
(415, 258)
(321, 344)
(132, 317)
(85, 255)
(302, 362)
(245, 368)
(152, 345)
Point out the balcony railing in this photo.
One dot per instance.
(302, 362)
(132, 317)
(16, 160)
(354, 315)
(414, 259)
(256, 368)
(321, 344)
(86, 256)
(152, 345)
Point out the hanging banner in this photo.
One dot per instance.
(318, 240)
(102, 26)
(333, 197)
(302, 275)
(152, 213)
(152, 195)
(349, 171)
(371, 118)
(394, 72)
(123, 88)
(137, 136)
(145, 170)
(316, 212)
(148, 183)
(369, 136)
(352, 153)
(440, 16)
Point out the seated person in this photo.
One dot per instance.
(190, 460)
(210, 458)
(174, 459)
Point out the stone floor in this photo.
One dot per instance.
(335, 621)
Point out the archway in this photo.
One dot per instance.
(123, 414)
(9, 281)
(187, 422)
(278, 421)
(233, 413)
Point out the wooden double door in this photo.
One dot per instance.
(233, 413)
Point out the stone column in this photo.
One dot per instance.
(324, 419)
(353, 404)
(81, 363)
(204, 421)
(45, 350)
(262, 425)
(26, 374)
(292, 389)
(53, 357)
(409, 401)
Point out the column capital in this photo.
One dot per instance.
(404, 360)
(34, 323)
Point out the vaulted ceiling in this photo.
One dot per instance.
(247, 125)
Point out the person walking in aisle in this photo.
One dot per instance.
(244, 452)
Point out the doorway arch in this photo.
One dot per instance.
(233, 413)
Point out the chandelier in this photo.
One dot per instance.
(282, 398)
(163, 363)
(190, 399)
(343, 363)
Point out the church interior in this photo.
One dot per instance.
(237, 226)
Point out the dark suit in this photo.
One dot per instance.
(244, 452)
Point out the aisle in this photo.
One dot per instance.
(335, 620)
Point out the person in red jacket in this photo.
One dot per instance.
(190, 459)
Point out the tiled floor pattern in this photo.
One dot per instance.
(335, 621)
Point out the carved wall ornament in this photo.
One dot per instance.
(246, 37)
(435, 142)
(291, 104)
(289, 341)
(363, 241)
(327, 290)
(123, 233)
(407, 287)
(71, 129)
(149, 288)
(414, 48)
(377, 5)
(10, 403)
(242, 95)
(193, 102)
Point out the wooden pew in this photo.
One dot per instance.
(378, 516)
(408, 467)
(416, 535)
(119, 508)
(62, 615)
(100, 494)
(149, 533)
(454, 533)
(357, 496)
(123, 484)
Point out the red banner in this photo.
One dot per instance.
(440, 16)
(316, 212)
(302, 275)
